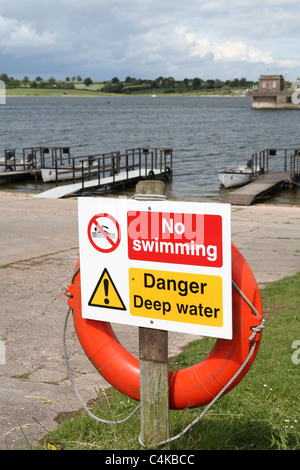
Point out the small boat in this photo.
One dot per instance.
(11, 163)
(49, 174)
(67, 172)
(237, 176)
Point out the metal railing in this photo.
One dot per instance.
(262, 161)
(136, 162)
(294, 166)
(142, 162)
(30, 160)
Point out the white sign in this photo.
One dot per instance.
(157, 264)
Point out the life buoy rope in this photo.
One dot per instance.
(194, 386)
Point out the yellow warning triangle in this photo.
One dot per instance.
(105, 294)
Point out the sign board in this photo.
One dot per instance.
(157, 264)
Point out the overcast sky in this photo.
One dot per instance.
(102, 39)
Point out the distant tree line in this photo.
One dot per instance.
(11, 82)
(170, 85)
(133, 85)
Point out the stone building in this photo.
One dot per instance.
(271, 94)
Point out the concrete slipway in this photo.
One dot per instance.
(38, 252)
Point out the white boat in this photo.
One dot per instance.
(10, 163)
(49, 174)
(66, 172)
(237, 176)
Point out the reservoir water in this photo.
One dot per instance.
(206, 134)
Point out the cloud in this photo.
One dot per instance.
(17, 34)
(225, 51)
(106, 38)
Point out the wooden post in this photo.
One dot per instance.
(153, 356)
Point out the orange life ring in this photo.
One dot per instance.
(194, 386)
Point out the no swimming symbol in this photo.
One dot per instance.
(104, 233)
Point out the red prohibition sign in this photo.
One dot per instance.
(103, 238)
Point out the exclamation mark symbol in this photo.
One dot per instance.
(106, 283)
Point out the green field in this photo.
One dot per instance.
(78, 91)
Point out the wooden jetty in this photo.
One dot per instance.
(108, 171)
(9, 177)
(266, 182)
(261, 186)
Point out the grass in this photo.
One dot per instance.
(261, 413)
(51, 92)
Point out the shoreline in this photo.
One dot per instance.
(122, 95)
